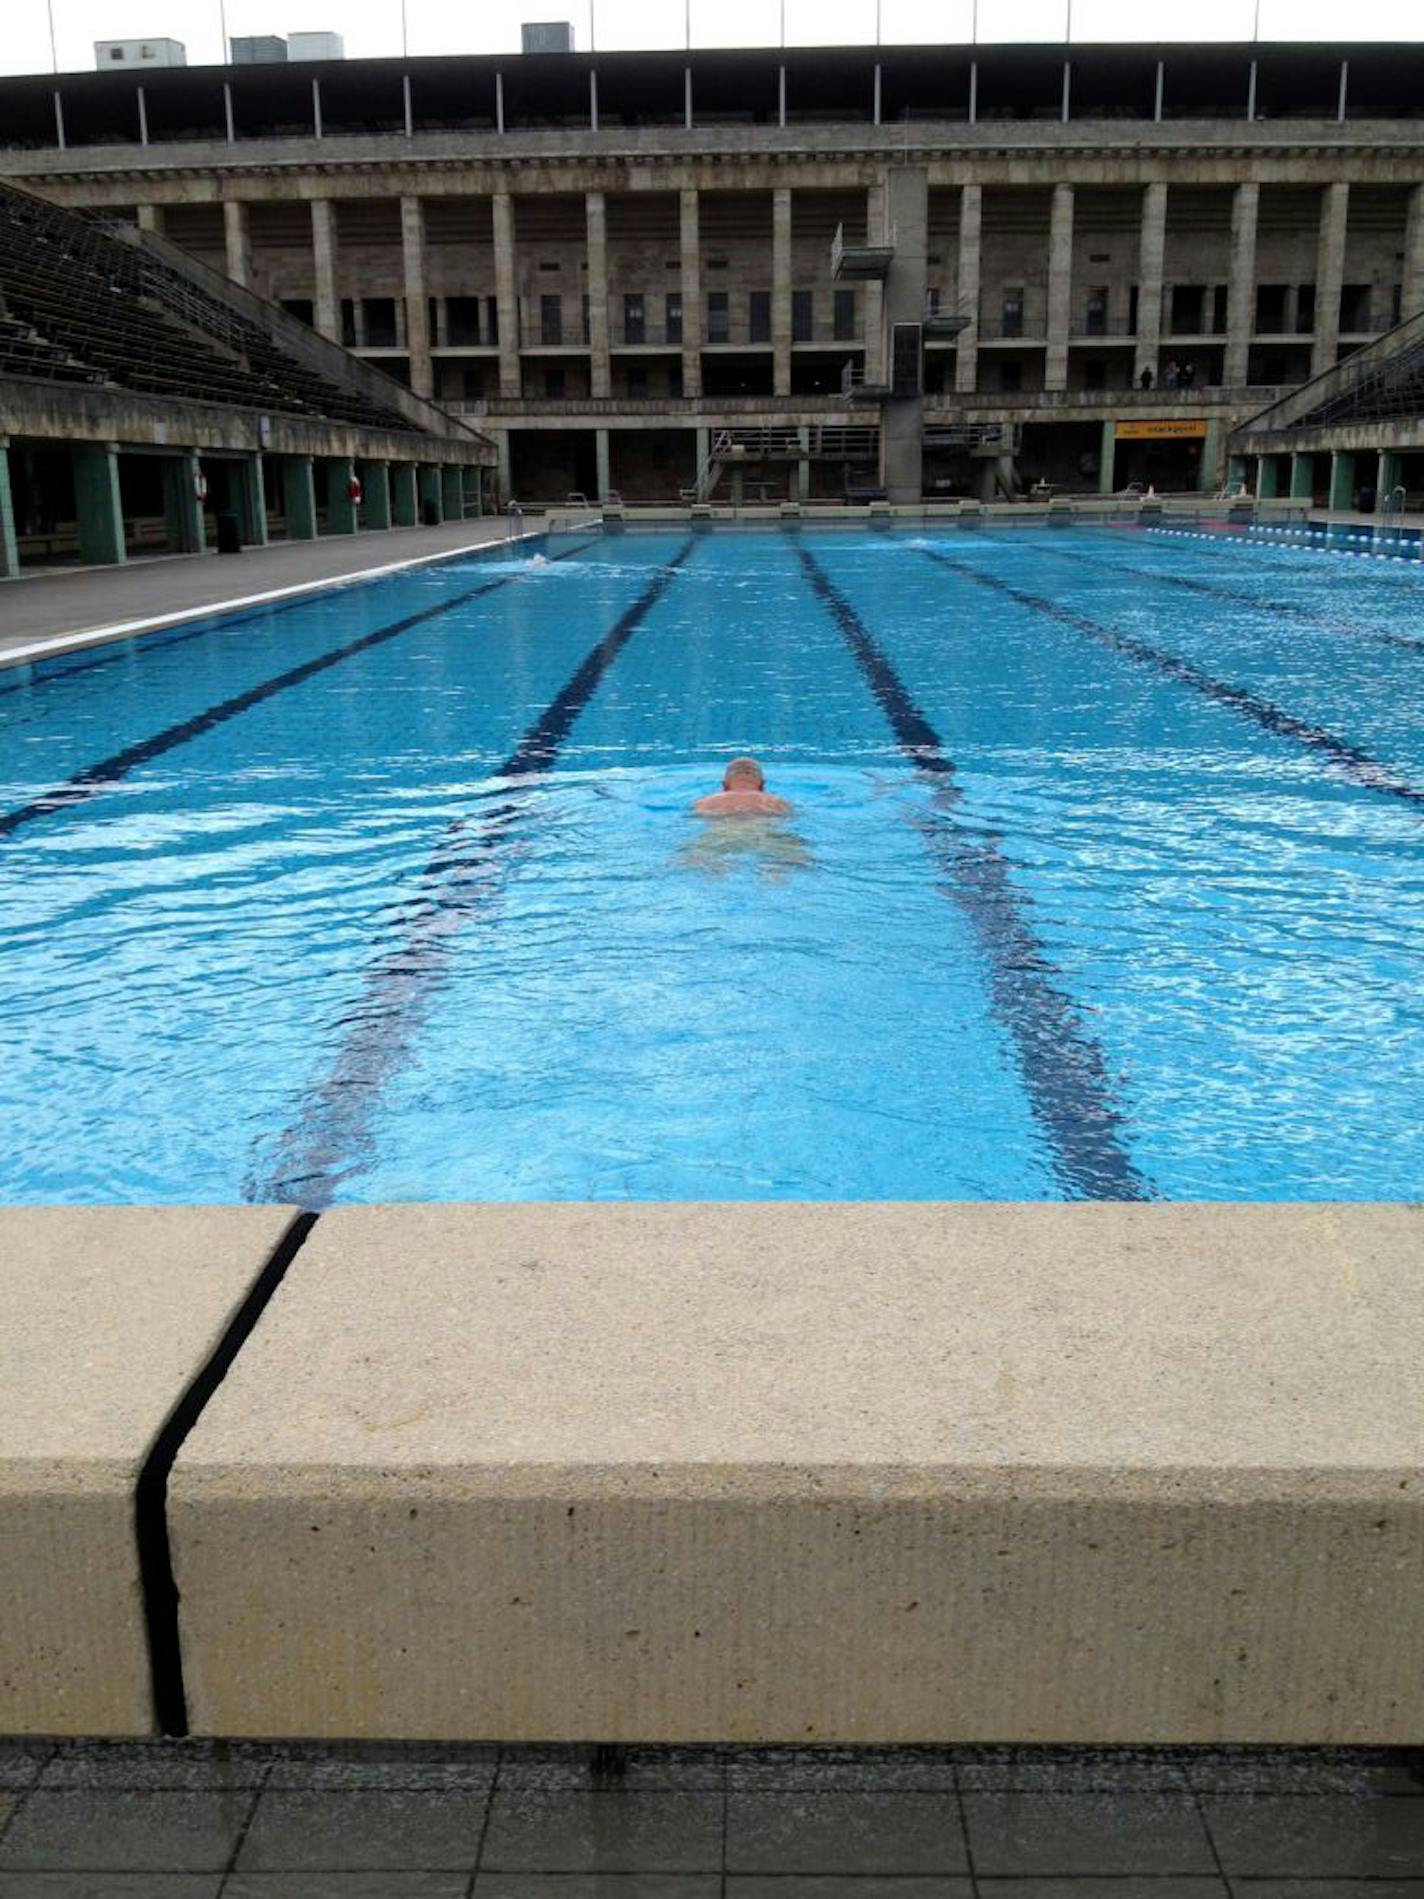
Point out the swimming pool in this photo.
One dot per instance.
(1103, 881)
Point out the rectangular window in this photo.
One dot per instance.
(931, 302)
(492, 320)
(843, 315)
(637, 380)
(551, 319)
(1132, 311)
(1270, 309)
(718, 317)
(1304, 309)
(381, 323)
(554, 381)
(1187, 311)
(674, 316)
(759, 317)
(462, 322)
(675, 380)
(301, 308)
(348, 322)
(1010, 376)
(1097, 315)
(1095, 373)
(1014, 313)
(803, 322)
(1354, 308)
(1218, 310)
(633, 327)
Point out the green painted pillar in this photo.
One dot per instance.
(252, 501)
(504, 487)
(299, 497)
(470, 479)
(603, 463)
(1268, 477)
(452, 492)
(182, 510)
(340, 508)
(376, 493)
(1302, 479)
(1209, 474)
(9, 545)
(1107, 460)
(96, 500)
(403, 510)
(1387, 473)
(1342, 481)
(429, 480)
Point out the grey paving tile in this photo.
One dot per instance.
(854, 1886)
(850, 1832)
(764, 1769)
(1328, 1888)
(61, 1830)
(553, 1831)
(366, 1831)
(155, 1766)
(386, 1885)
(673, 1769)
(1125, 1886)
(110, 1885)
(1306, 1770)
(1329, 1834)
(393, 1769)
(1068, 1770)
(1105, 1833)
(598, 1886)
(21, 1762)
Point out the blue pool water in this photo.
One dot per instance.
(1103, 881)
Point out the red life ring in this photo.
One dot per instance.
(353, 489)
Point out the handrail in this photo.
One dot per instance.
(1393, 509)
(515, 512)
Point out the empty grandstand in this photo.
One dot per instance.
(149, 404)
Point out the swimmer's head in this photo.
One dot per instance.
(744, 774)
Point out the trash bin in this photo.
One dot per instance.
(229, 534)
(429, 513)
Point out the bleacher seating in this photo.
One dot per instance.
(80, 304)
(1391, 387)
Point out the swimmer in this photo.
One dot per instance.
(743, 795)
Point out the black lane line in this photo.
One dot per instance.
(1289, 609)
(1354, 763)
(155, 1551)
(1061, 1064)
(330, 1136)
(97, 778)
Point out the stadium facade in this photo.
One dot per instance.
(803, 274)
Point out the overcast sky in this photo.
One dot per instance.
(372, 27)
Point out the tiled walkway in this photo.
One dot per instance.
(198, 1821)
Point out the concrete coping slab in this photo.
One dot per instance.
(106, 1313)
(851, 1473)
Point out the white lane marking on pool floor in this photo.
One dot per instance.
(120, 629)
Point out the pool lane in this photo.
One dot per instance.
(1340, 753)
(1060, 1062)
(330, 1136)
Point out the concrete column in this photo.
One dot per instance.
(1302, 477)
(902, 421)
(375, 493)
(1342, 481)
(299, 497)
(1329, 276)
(504, 481)
(452, 492)
(1412, 282)
(340, 508)
(704, 449)
(1107, 457)
(691, 280)
(1241, 291)
(403, 508)
(96, 498)
(1151, 245)
(877, 231)
(239, 248)
(781, 290)
(971, 213)
(150, 217)
(803, 466)
(1268, 478)
(1210, 473)
(506, 299)
(432, 493)
(417, 309)
(603, 462)
(326, 309)
(1060, 287)
(600, 377)
(251, 500)
(1387, 473)
(9, 544)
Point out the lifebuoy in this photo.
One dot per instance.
(353, 489)
(200, 485)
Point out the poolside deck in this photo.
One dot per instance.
(83, 601)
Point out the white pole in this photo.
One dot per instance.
(223, 55)
(53, 44)
(405, 32)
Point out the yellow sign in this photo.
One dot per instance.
(1164, 431)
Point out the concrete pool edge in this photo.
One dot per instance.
(766, 1472)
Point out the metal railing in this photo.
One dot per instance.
(515, 529)
(1393, 506)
